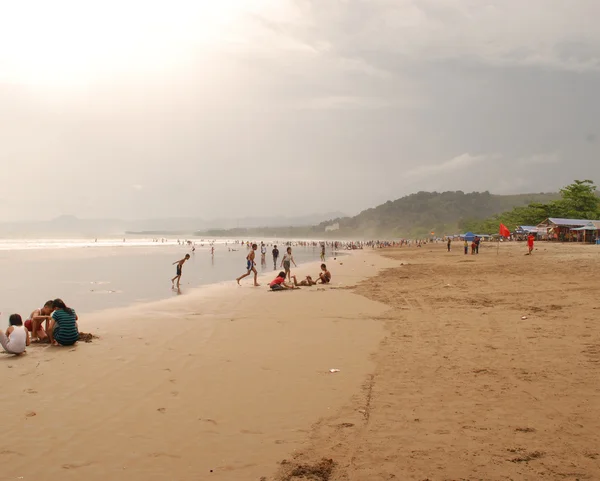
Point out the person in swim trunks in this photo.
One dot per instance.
(250, 266)
(179, 268)
(324, 275)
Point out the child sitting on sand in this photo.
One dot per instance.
(325, 275)
(278, 284)
(17, 337)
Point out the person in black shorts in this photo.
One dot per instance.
(179, 267)
(275, 253)
(324, 275)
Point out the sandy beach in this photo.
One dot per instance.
(440, 377)
(489, 370)
(219, 384)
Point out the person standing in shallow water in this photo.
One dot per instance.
(178, 270)
(275, 253)
(250, 266)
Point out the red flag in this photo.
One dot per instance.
(504, 232)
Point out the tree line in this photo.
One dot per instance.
(578, 200)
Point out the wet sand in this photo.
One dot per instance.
(464, 388)
(219, 384)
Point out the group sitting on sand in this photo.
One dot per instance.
(61, 328)
(279, 284)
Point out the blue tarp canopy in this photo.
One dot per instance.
(468, 236)
(589, 226)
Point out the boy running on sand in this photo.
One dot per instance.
(250, 266)
(178, 272)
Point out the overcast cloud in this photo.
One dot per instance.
(137, 109)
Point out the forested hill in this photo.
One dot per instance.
(424, 212)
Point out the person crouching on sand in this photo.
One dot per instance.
(324, 275)
(37, 317)
(250, 266)
(16, 338)
(63, 329)
(279, 284)
(179, 268)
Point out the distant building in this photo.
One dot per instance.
(332, 227)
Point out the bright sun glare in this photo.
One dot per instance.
(67, 42)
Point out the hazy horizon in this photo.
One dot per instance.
(265, 108)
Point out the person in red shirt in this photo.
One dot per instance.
(279, 284)
(530, 240)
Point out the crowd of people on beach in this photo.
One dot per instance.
(55, 323)
(279, 283)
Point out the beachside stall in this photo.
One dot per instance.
(557, 229)
(588, 233)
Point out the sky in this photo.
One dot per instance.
(139, 109)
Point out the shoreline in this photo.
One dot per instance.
(96, 279)
(228, 379)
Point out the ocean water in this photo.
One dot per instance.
(92, 276)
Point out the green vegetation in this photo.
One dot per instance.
(415, 215)
(578, 200)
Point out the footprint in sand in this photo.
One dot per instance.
(162, 410)
(30, 391)
(163, 455)
(212, 421)
(76, 465)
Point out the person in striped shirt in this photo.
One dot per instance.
(63, 329)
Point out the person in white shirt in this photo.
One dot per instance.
(287, 261)
(16, 338)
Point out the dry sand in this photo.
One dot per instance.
(219, 384)
(441, 378)
(464, 388)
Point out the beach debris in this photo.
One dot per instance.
(86, 336)
(30, 414)
(523, 318)
(162, 410)
(334, 370)
(320, 471)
